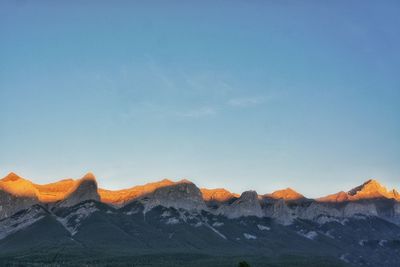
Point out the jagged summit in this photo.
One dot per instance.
(285, 194)
(82, 189)
(89, 176)
(370, 189)
(249, 195)
(12, 176)
(180, 195)
(370, 186)
(247, 204)
(18, 186)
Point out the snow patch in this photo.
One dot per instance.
(172, 221)
(217, 224)
(249, 236)
(263, 227)
(73, 220)
(382, 242)
(329, 234)
(133, 211)
(198, 224)
(215, 231)
(344, 258)
(165, 214)
(310, 235)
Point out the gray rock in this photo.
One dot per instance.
(247, 204)
(280, 212)
(181, 195)
(84, 189)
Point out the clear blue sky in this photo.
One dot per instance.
(237, 94)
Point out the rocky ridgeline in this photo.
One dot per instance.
(369, 199)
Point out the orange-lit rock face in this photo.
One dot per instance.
(218, 195)
(286, 194)
(338, 197)
(371, 189)
(45, 193)
(18, 186)
(55, 191)
(120, 197)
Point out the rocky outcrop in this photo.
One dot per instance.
(10, 204)
(180, 195)
(16, 194)
(82, 190)
(247, 204)
(353, 208)
(371, 189)
(279, 211)
(216, 197)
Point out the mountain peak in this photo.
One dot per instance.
(218, 194)
(12, 176)
(183, 194)
(18, 186)
(370, 189)
(83, 189)
(184, 181)
(246, 205)
(286, 194)
(250, 194)
(89, 176)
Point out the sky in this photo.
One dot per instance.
(244, 95)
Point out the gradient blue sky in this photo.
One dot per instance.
(237, 94)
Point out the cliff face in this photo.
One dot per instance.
(181, 195)
(10, 204)
(219, 195)
(371, 189)
(246, 205)
(16, 194)
(82, 190)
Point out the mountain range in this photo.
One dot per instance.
(73, 222)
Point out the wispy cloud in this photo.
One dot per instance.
(245, 101)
